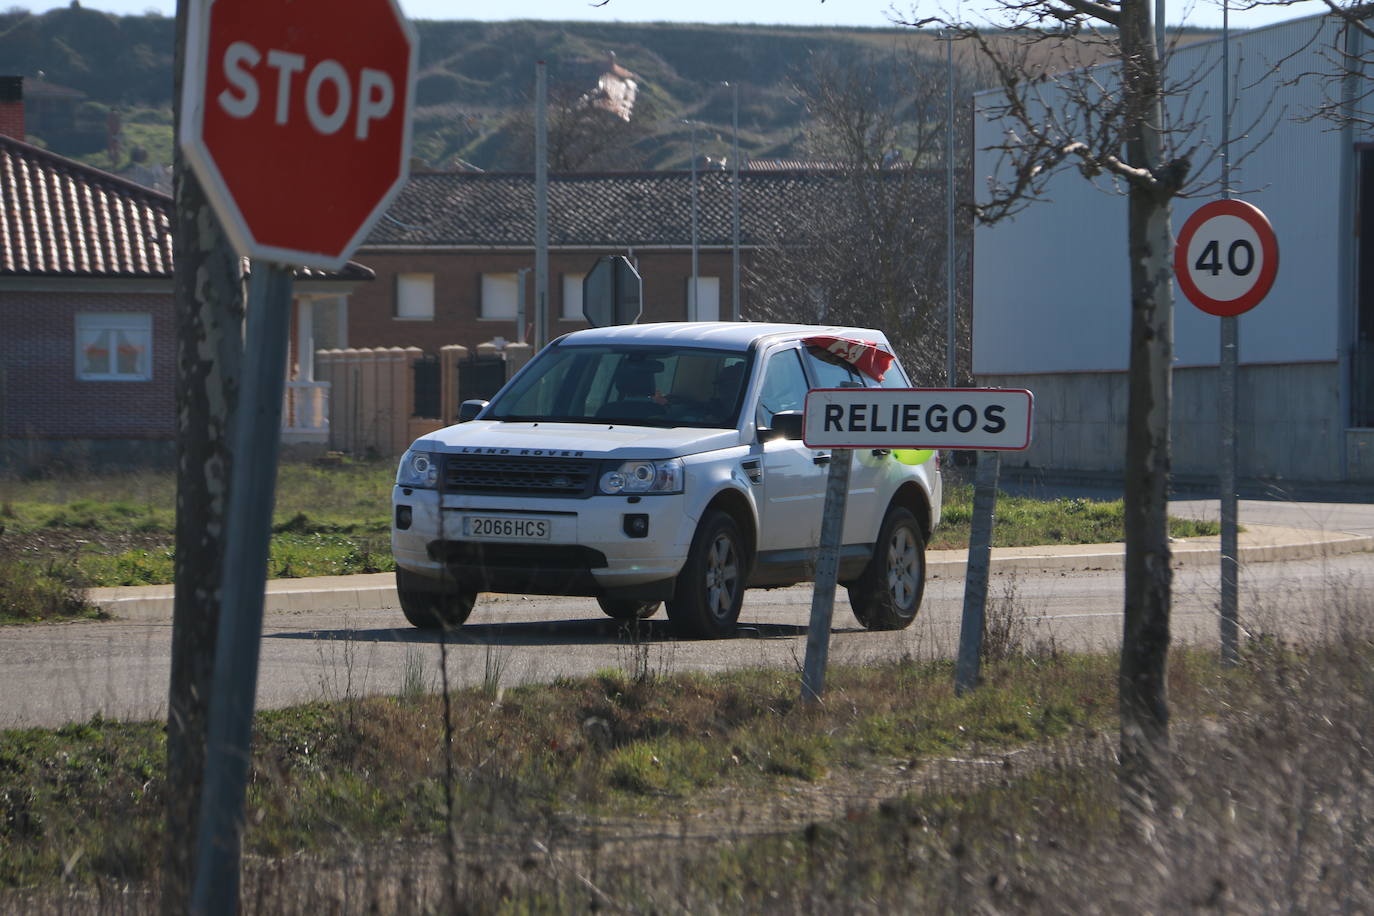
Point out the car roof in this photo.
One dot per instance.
(724, 335)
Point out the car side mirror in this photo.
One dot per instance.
(787, 424)
(468, 410)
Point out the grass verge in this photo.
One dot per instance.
(62, 535)
(700, 793)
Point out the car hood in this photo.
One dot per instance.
(582, 440)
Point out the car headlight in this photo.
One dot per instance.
(632, 477)
(418, 469)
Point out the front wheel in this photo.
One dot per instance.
(628, 608)
(428, 608)
(887, 595)
(710, 588)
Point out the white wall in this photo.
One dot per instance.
(1050, 285)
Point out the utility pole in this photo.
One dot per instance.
(734, 205)
(541, 207)
(951, 338)
(692, 311)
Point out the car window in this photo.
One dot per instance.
(892, 378)
(829, 371)
(784, 387)
(643, 386)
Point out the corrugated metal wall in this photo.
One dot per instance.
(1051, 300)
(1050, 288)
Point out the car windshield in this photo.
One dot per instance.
(640, 386)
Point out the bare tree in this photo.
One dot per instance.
(1347, 77)
(584, 135)
(209, 319)
(1111, 124)
(869, 247)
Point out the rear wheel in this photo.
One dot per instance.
(710, 588)
(887, 595)
(429, 608)
(629, 608)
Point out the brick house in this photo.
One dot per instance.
(87, 331)
(449, 252)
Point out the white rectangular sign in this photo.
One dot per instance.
(959, 418)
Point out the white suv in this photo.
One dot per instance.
(643, 464)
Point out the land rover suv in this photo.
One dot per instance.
(654, 464)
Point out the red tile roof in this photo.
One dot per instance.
(63, 218)
(59, 217)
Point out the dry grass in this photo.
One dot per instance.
(637, 791)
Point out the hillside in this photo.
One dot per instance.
(475, 82)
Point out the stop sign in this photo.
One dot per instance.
(296, 119)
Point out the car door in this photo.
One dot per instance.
(865, 503)
(793, 475)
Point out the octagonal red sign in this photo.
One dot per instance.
(296, 119)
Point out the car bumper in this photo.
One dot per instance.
(587, 550)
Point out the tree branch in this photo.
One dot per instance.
(1096, 10)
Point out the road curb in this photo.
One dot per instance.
(375, 592)
(1268, 544)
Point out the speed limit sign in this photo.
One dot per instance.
(1226, 257)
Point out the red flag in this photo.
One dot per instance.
(864, 355)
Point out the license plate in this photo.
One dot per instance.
(506, 529)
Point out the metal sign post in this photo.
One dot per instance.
(1225, 260)
(827, 573)
(257, 442)
(969, 665)
(987, 419)
(298, 170)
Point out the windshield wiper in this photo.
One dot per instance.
(655, 422)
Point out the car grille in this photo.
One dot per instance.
(515, 475)
(534, 558)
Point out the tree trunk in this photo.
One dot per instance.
(1145, 638)
(209, 321)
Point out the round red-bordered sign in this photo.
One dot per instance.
(1226, 257)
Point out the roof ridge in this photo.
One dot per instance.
(91, 172)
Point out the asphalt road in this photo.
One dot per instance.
(52, 674)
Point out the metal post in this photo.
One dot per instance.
(257, 443)
(734, 207)
(950, 305)
(1159, 30)
(1226, 402)
(541, 207)
(692, 312)
(967, 668)
(827, 573)
(521, 305)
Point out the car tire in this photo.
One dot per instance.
(887, 595)
(710, 588)
(430, 609)
(628, 608)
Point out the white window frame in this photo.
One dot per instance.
(500, 297)
(710, 287)
(415, 297)
(100, 346)
(572, 298)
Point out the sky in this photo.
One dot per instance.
(869, 13)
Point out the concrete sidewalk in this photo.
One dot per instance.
(1258, 544)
